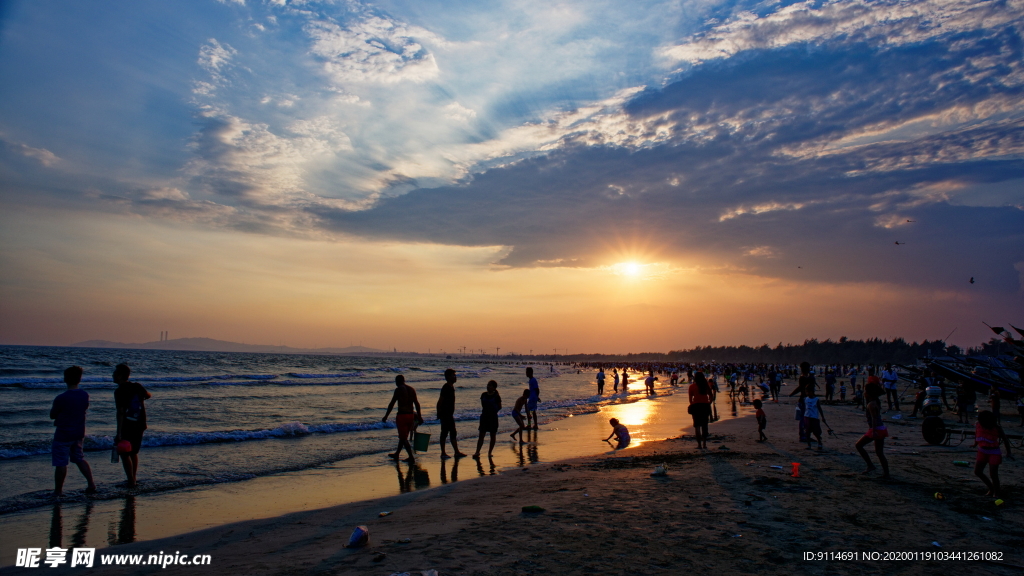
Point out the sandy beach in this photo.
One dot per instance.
(734, 508)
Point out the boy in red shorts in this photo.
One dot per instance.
(406, 420)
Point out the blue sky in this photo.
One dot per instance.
(788, 143)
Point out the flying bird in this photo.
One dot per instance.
(898, 243)
(911, 220)
(972, 279)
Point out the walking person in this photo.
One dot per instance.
(987, 435)
(806, 383)
(615, 380)
(68, 415)
(408, 417)
(877, 431)
(490, 403)
(814, 415)
(130, 402)
(446, 414)
(701, 396)
(531, 404)
(600, 380)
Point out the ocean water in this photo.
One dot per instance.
(228, 417)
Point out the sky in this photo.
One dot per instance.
(516, 176)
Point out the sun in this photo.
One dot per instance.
(631, 269)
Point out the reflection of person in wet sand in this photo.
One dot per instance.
(126, 527)
(446, 413)
(444, 471)
(490, 402)
(620, 433)
(518, 416)
(406, 420)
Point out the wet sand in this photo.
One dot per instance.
(725, 510)
(113, 522)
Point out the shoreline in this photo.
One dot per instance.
(725, 510)
(149, 516)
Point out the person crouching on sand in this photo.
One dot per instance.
(877, 431)
(490, 402)
(987, 434)
(517, 415)
(620, 432)
(406, 420)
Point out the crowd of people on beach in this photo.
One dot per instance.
(705, 382)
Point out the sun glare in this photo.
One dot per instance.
(631, 269)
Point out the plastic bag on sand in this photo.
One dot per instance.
(660, 470)
(423, 573)
(360, 537)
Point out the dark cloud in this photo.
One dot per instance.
(754, 176)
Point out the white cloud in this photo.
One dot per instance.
(456, 111)
(213, 56)
(891, 23)
(760, 209)
(42, 155)
(371, 49)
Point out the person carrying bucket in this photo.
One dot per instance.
(406, 420)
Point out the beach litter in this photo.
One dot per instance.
(986, 518)
(897, 417)
(999, 502)
(796, 470)
(383, 514)
(405, 540)
(939, 496)
(961, 463)
(660, 470)
(360, 537)
(532, 509)
(936, 544)
(777, 467)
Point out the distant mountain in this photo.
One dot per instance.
(211, 345)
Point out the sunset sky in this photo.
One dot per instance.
(582, 175)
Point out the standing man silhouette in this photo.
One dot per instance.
(531, 404)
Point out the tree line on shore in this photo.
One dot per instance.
(828, 351)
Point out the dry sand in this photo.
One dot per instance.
(720, 511)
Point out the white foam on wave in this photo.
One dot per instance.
(346, 375)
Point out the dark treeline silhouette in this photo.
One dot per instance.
(842, 351)
(994, 347)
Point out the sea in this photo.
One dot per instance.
(219, 417)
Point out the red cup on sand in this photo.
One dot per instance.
(124, 447)
(796, 469)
